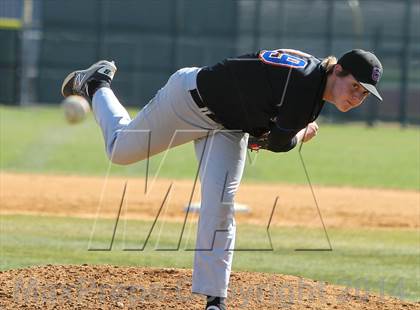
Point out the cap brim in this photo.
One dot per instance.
(372, 89)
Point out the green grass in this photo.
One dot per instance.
(38, 140)
(366, 258)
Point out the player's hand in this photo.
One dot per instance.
(310, 132)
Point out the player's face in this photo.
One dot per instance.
(347, 93)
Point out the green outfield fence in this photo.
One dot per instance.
(10, 29)
(151, 39)
(9, 66)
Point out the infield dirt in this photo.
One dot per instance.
(94, 196)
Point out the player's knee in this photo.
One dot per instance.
(118, 156)
(119, 160)
(116, 159)
(123, 156)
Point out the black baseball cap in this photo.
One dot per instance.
(365, 67)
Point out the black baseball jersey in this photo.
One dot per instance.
(273, 94)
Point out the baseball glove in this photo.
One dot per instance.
(255, 144)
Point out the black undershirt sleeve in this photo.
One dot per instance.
(281, 139)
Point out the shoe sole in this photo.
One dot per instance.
(87, 72)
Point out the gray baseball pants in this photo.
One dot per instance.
(172, 118)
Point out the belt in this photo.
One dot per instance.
(200, 104)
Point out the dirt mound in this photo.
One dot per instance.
(109, 287)
(99, 197)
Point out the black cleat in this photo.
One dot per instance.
(76, 83)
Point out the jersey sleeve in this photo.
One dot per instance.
(281, 139)
(277, 140)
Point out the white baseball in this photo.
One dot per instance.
(75, 109)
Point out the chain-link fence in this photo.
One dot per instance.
(151, 39)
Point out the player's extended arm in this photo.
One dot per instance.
(281, 139)
(307, 133)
